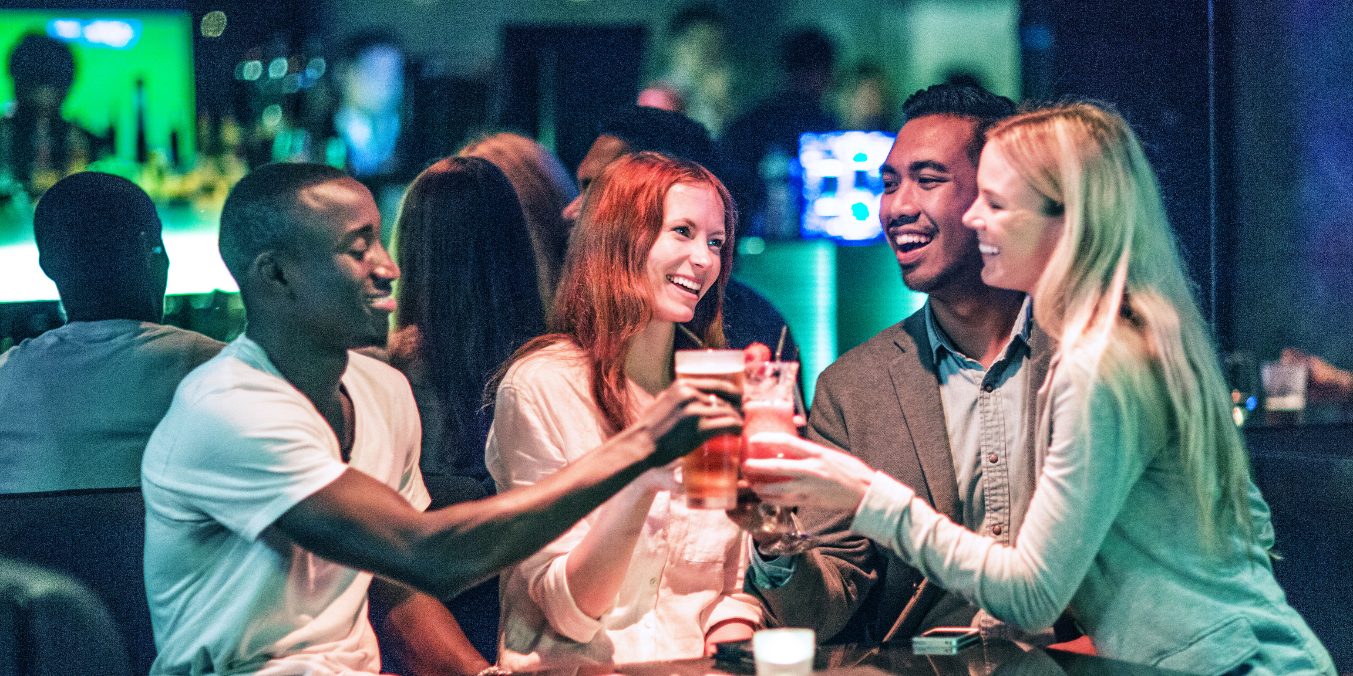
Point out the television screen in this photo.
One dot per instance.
(118, 89)
(842, 186)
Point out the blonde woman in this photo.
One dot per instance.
(1144, 522)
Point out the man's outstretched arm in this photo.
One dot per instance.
(420, 631)
(360, 522)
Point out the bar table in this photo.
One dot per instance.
(990, 658)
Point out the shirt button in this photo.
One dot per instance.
(993, 458)
(987, 387)
(996, 529)
(648, 624)
(652, 581)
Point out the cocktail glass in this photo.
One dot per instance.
(769, 398)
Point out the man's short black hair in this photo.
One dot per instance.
(962, 100)
(663, 131)
(92, 226)
(261, 212)
(39, 60)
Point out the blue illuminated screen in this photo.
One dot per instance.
(841, 184)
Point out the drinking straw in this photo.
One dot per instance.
(691, 334)
(780, 346)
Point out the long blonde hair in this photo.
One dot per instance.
(1116, 296)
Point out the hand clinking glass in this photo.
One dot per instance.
(771, 403)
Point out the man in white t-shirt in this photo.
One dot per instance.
(286, 470)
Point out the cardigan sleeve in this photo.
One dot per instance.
(1092, 463)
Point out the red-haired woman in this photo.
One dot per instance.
(642, 578)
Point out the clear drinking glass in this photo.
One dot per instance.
(769, 403)
(709, 474)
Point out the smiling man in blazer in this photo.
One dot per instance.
(943, 401)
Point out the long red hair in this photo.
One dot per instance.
(604, 298)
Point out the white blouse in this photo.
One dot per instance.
(685, 574)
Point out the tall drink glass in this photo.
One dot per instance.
(768, 399)
(710, 472)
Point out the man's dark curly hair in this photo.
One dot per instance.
(961, 100)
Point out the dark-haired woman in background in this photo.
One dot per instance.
(467, 300)
(544, 188)
(642, 578)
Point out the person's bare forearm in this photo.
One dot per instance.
(449, 550)
(421, 631)
(597, 566)
(361, 522)
(472, 541)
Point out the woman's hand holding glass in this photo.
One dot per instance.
(792, 471)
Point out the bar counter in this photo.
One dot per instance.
(993, 657)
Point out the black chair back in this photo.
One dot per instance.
(96, 537)
(1306, 476)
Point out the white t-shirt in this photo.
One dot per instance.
(81, 400)
(685, 574)
(238, 448)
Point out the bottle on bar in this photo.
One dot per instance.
(139, 101)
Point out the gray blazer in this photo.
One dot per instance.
(881, 402)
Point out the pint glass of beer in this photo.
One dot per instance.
(710, 472)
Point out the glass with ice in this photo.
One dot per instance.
(768, 405)
(768, 400)
(709, 474)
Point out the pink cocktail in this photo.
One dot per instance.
(768, 405)
(766, 416)
(768, 402)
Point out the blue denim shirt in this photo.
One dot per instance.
(985, 416)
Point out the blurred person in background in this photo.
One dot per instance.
(644, 577)
(866, 102)
(371, 133)
(660, 94)
(370, 118)
(697, 79)
(80, 401)
(37, 145)
(759, 145)
(544, 188)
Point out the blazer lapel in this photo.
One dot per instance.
(916, 385)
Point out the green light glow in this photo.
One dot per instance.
(195, 265)
(105, 78)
